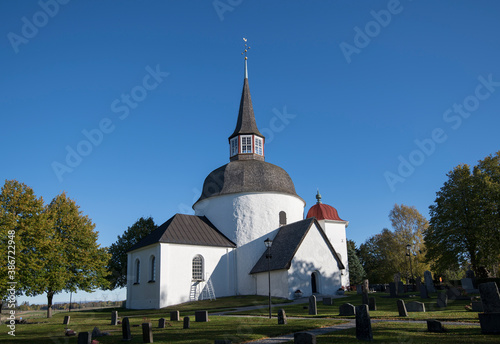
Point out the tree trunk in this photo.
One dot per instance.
(50, 295)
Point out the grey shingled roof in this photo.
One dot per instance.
(246, 119)
(247, 176)
(188, 230)
(287, 242)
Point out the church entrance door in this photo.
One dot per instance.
(314, 282)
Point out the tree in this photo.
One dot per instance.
(21, 217)
(465, 219)
(356, 272)
(377, 257)
(72, 258)
(117, 264)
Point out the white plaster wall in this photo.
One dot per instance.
(143, 295)
(176, 271)
(336, 232)
(314, 255)
(248, 219)
(279, 283)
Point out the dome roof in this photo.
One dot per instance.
(323, 212)
(247, 176)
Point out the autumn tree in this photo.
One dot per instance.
(117, 264)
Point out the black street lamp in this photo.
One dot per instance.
(408, 253)
(269, 243)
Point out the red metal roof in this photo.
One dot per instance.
(323, 212)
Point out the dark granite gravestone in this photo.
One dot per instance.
(66, 320)
(282, 317)
(126, 335)
(313, 310)
(393, 289)
(363, 323)
(347, 309)
(442, 300)
(304, 338)
(372, 306)
(84, 338)
(186, 323)
(402, 308)
(468, 285)
(175, 316)
(201, 316)
(147, 333)
(114, 318)
(401, 288)
(435, 326)
(364, 299)
(490, 319)
(161, 323)
(423, 292)
(477, 306)
(415, 306)
(327, 301)
(490, 323)
(429, 283)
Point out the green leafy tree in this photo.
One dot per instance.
(117, 264)
(378, 257)
(356, 272)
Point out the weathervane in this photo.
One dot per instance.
(246, 48)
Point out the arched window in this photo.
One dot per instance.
(282, 218)
(197, 271)
(137, 271)
(152, 272)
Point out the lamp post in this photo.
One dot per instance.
(408, 253)
(268, 242)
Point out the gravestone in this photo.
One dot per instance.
(435, 326)
(372, 306)
(364, 298)
(186, 323)
(304, 338)
(359, 289)
(126, 335)
(347, 309)
(114, 318)
(147, 333)
(327, 301)
(415, 306)
(490, 323)
(477, 306)
(401, 288)
(366, 286)
(66, 320)
(161, 323)
(96, 332)
(442, 300)
(490, 319)
(175, 316)
(282, 317)
(84, 338)
(402, 308)
(468, 285)
(393, 289)
(397, 279)
(363, 323)
(423, 292)
(429, 283)
(201, 316)
(312, 305)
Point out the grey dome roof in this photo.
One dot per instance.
(247, 176)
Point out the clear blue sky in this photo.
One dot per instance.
(359, 82)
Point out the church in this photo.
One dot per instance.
(248, 226)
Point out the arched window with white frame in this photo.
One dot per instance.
(197, 268)
(137, 271)
(152, 269)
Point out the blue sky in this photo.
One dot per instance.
(372, 102)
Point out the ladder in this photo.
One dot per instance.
(193, 294)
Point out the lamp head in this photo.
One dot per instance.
(268, 242)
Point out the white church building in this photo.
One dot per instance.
(220, 251)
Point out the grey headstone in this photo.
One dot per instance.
(96, 332)
(161, 323)
(402, 308)
(282, 317)
(66, 320)
(467, 283)
(126, 335)
(175, 316)
(477, 306)
(372, 306)
(222, 341)
(363, 323)
(84, 338)
(423, 292)
(201, 316)
(415, 306)
(401, 288)
(347, 309)
(435, 326)
(429, 283)
(304, 338)
(186, 323)
(359, 289)
(490, 297)
(312, 305)
(490, 323)
(393, 289)
(114, 318)
(147, 333)
(327, 301)
(364, 299)
(442, 300)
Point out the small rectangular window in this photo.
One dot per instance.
(234, 146)
(246, 144)
(258, 145)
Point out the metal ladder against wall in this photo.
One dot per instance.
(193, 293)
